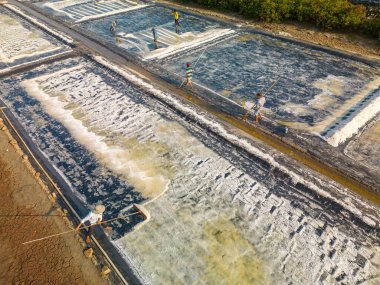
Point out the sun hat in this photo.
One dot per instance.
(99, 209)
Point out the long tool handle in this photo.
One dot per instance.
(200, 57)
(66, 232)
(272, 85)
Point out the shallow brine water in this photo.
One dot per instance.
(219, 216)
(309, 85)
(134, 30)
(314, 90)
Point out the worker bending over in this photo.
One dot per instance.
(93, 218)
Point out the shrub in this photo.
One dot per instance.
(250, 8)
(337, 14)
(372, 27)
(328, 14)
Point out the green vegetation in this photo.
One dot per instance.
(328, 14)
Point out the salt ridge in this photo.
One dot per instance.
(86, 18)
(200, 39)
(9, 69)
(365, 115)
(63, 4)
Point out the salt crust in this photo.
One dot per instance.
(60, 35)
(352, 204)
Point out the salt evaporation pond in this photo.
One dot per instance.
(134, 30)
(311, 84)
(85, 10)
(317, 91)
(222, 217)
(314, 90)
(22, 42)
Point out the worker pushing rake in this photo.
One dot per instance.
(254, 108)
(95, 218)
(189, 72)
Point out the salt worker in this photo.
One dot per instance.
(155, 37)
(176, 20)
(188, 77)
(93, 218)
(258, 106)
(113, 26)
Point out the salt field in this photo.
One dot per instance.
(325, 94)
(219, 216)
(134, 32)
(313, 90)
(225, 207)
(84, 10)
(22, 42)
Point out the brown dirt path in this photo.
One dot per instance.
(26, 213)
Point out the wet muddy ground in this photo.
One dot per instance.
(27, 213)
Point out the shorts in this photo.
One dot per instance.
(256, 112)
(90, 228)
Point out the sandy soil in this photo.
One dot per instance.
(348, 42)
(26, 213)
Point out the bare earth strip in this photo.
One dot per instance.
(26, 213)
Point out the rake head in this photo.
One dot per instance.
(141, 209)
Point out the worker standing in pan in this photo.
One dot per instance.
(93, 218)
(176, 20)
(113, 27)
(155, 37)
(258, 106)
(188, 77)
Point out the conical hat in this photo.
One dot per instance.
(99, 209)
